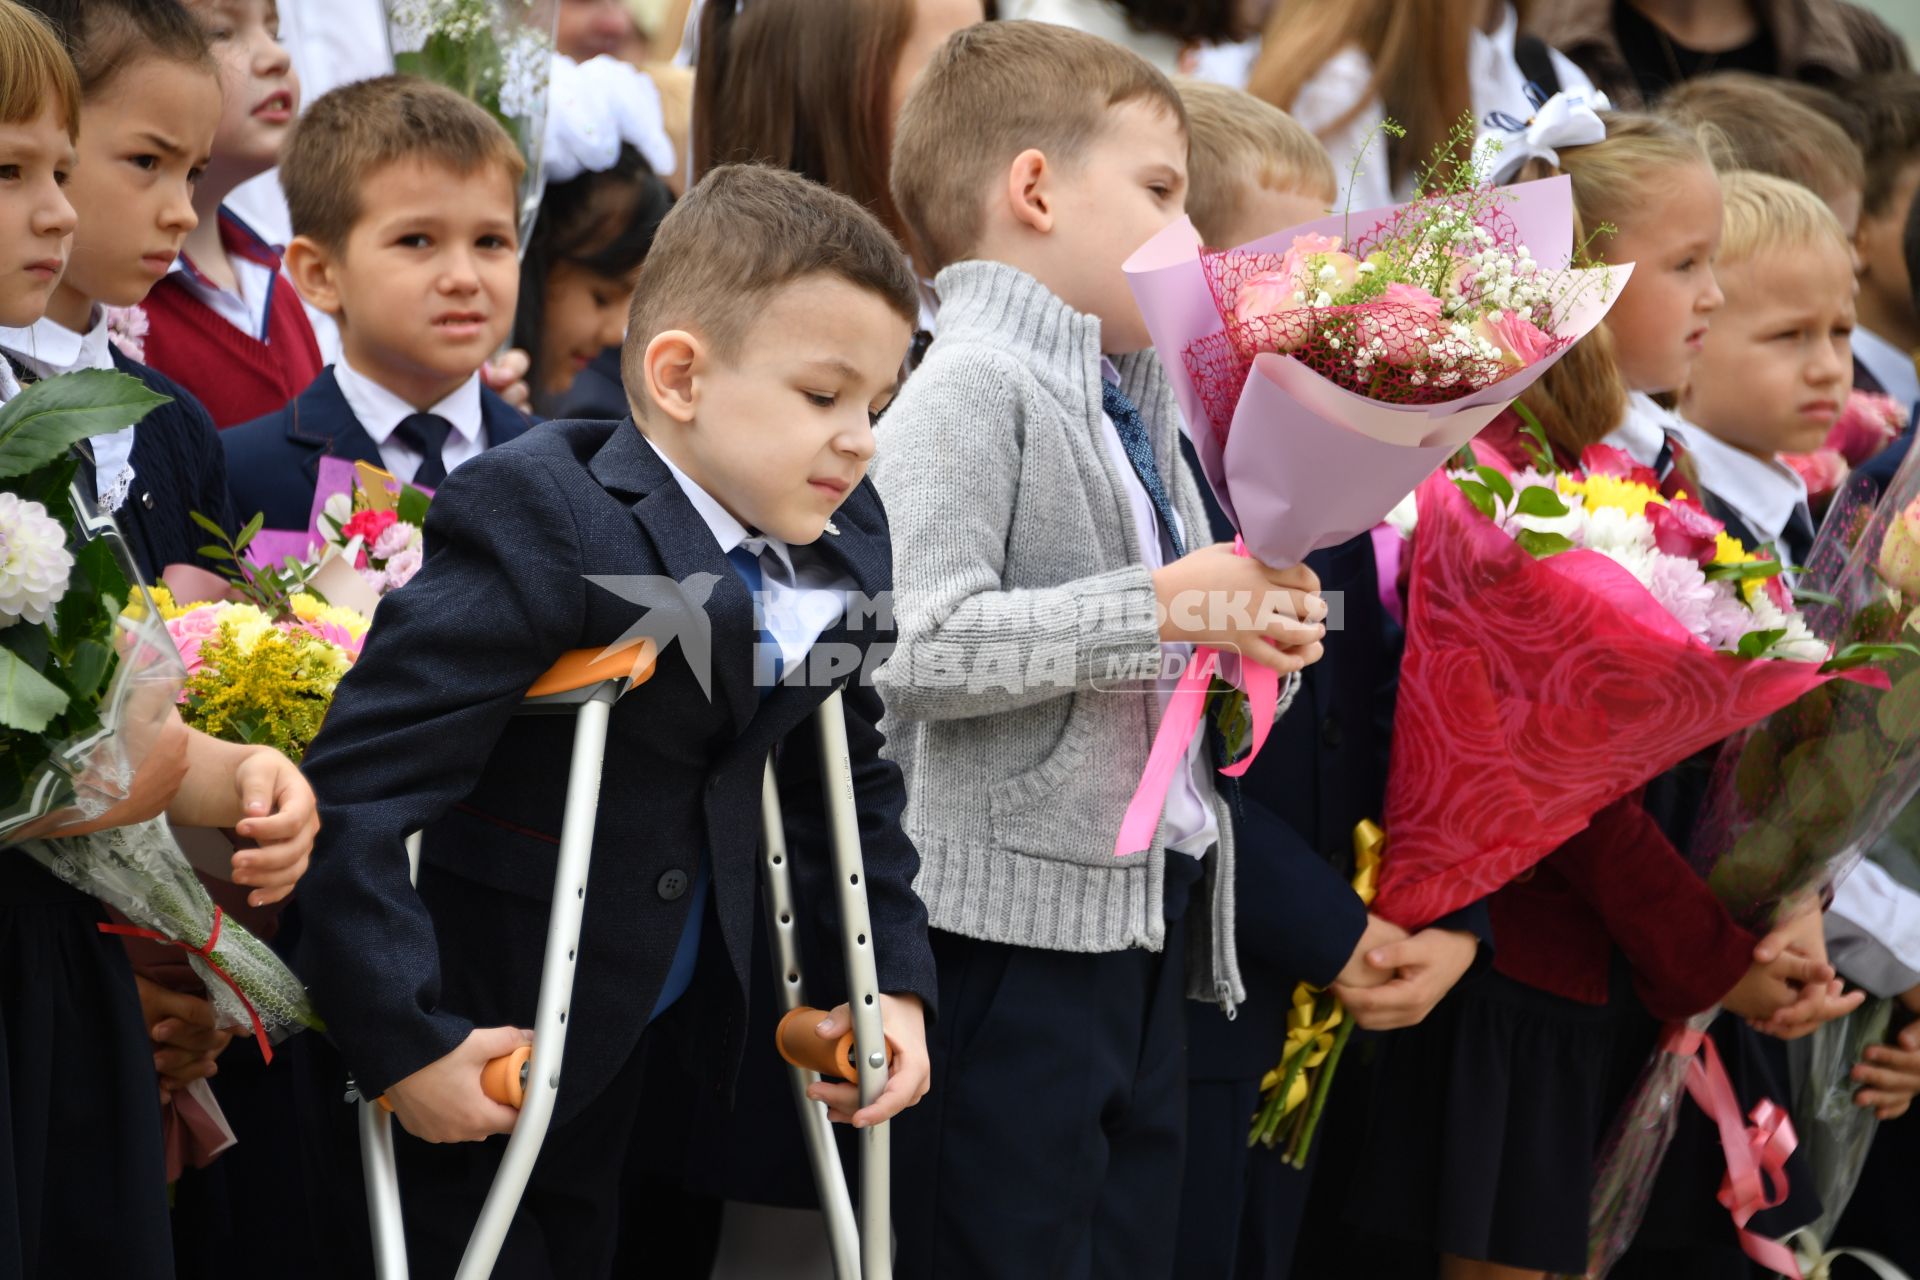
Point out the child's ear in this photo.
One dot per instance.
(1030, 190)
(310, 265)
(668, 371)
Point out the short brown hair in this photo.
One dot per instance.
(359, 128)
(743, 232)
(33, 69)
(1889, 105)
(1748, 123)
(105, 37)
(991, 92)
(1236, 141)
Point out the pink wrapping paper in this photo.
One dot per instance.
(1307, 464)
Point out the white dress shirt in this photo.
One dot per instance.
(1497, 85)
(49, 350)
(1891, 367)
(800, 594)
(1642, 433)
(380, 412)
(1763, 492)
(1190, 823)
(1108, 21)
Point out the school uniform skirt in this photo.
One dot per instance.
(83, 1188)
(1488, 1116)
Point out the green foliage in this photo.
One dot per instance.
(39, 425)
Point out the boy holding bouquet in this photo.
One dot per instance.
(769, 325)
(406, 230)
(1043, 519)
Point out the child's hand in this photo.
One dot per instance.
(443, 1101)
(1424, 969)
(905, 1022)
(1270, 616)
(1377, 934)
(282, 819)
(1767, 987)
(1819, 1002)
(506, 376)
(1891, 1074)
(185, 1039)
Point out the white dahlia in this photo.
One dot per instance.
(34, 563)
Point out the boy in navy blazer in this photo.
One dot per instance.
(769, 326)
(405, 205)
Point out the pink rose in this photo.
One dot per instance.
(1413, 297)
(1823, 470)
(1605, 460)
(1521, 341)
(1268, 294)
(1868, 423)
(1293, 263)
(1398, 330)
(190, 630)
(1683, 528)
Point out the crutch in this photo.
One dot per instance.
(585, 683)
(862, 1248)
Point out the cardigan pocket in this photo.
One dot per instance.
(1025, 810)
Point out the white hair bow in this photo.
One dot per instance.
(593, 107)
(1564, 120)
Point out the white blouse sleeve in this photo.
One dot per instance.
(1873, 931)
(1346, 79)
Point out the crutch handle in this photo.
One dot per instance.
(802, 1046)
(504, 1079)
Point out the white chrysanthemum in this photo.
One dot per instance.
(1611, 529)
(34, 563)
(1799, 643)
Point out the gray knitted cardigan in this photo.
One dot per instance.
(1017, 581)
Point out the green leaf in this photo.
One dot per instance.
(209, 525)
(28, 700)
(215, 553)
(412, 506)
(1536, 436)
(1537, 500)
(1541, 545)
(1495, 482)
(1860, 655)
(88, 669)
(252, 527)
(1755, 644)
(51, 416)
(1479, 495)
(1807, 595)
(1748, 571)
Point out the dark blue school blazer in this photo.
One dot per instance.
(423, 736)
(273, 463)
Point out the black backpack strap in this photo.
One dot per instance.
(1535, 59)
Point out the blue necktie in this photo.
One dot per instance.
(1139, 449)
(746, 564)
(426, 434)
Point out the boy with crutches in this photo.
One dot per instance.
(769, 323)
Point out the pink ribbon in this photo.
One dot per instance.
(1178, 724)
(1756, 1153)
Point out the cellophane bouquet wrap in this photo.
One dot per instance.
(1536, 689)
(1794, 799)
(92, 679)
(1324, 370)
(1327, 369)
(496, 53)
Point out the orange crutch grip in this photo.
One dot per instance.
(502, 1079)
(802, 1046)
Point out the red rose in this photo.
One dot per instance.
(1683, 528)
(1605, 460)
(368, 525)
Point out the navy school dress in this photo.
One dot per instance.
(83, 1179)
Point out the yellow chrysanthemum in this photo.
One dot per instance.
(310, 608)
(163, 601)
(1611, 491)
(1729, 550)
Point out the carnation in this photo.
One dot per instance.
(403, 566)
(396, 538)
(34, 562)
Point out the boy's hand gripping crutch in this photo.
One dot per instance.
(862, 1249)
(586, 683)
